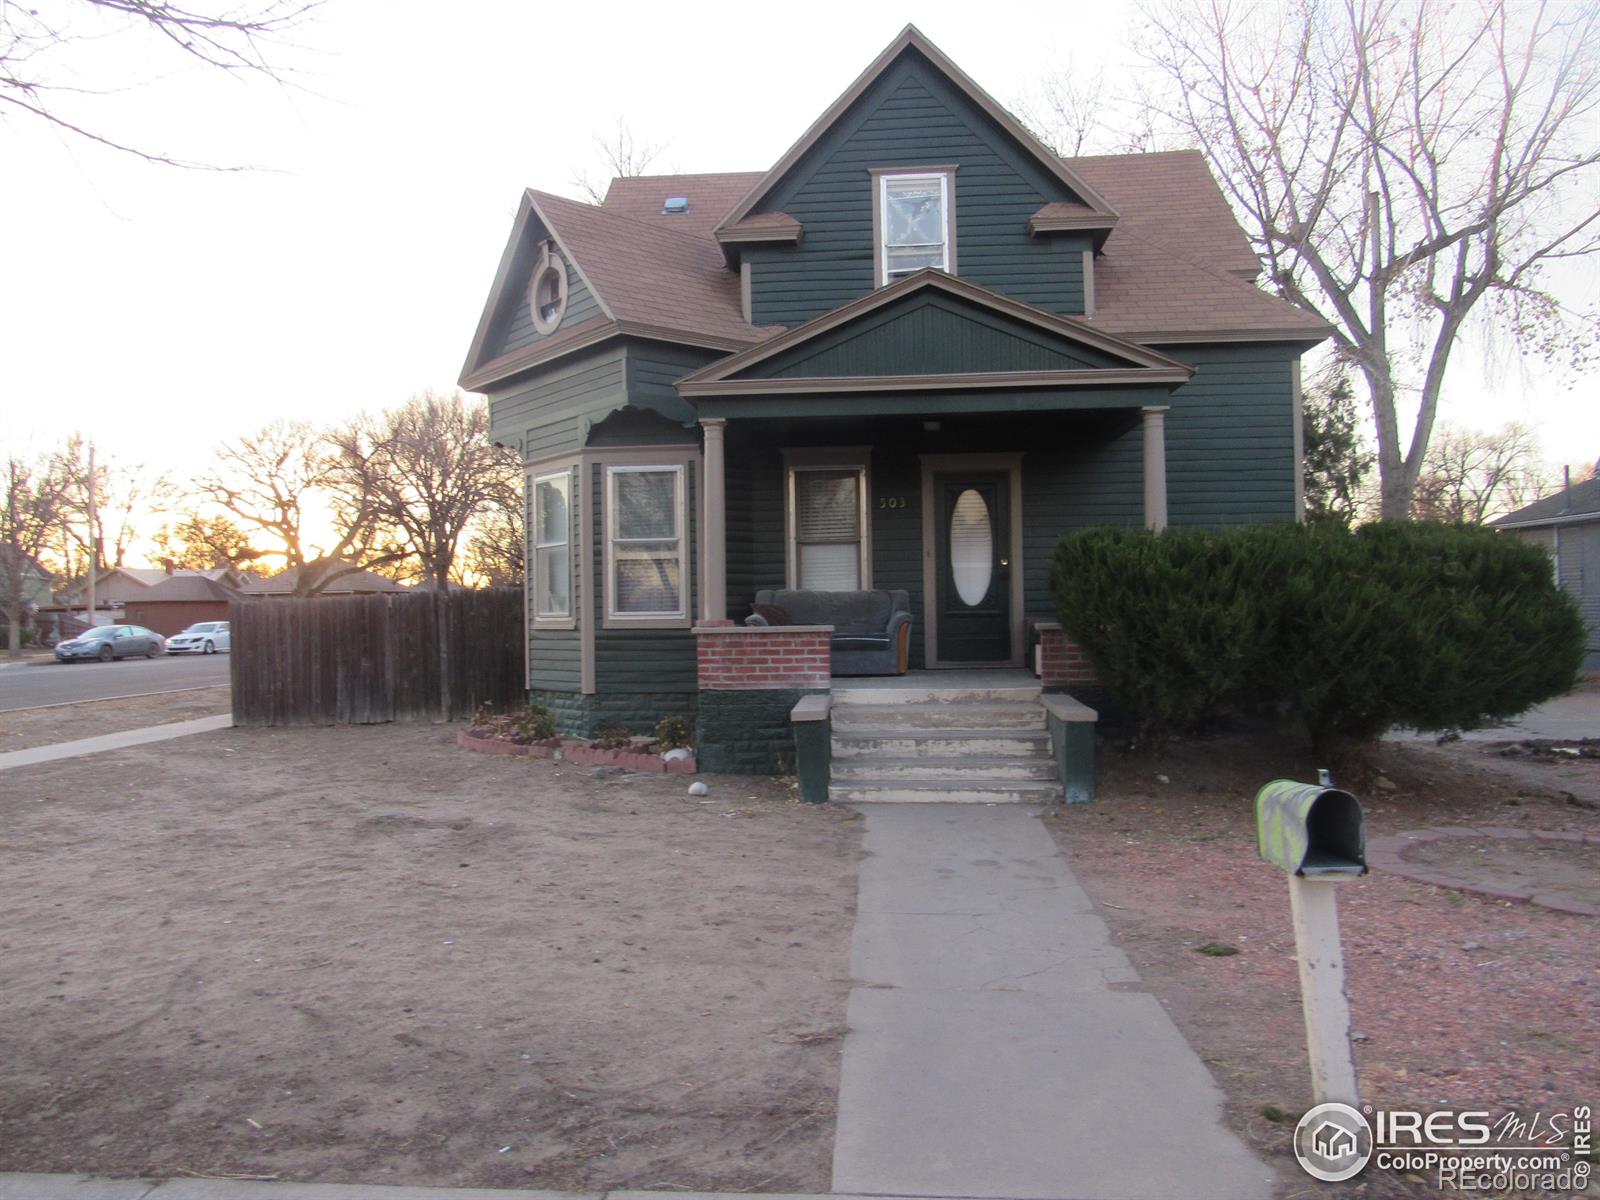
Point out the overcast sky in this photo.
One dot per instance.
(164, 310)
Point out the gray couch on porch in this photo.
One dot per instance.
(871, 629)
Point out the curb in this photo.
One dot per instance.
(1387, 854)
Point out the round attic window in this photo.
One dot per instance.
(549, 293)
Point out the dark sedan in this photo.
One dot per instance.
(105, 642)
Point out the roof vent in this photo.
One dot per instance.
(675, 206)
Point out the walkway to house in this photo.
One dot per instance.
(999, 1044)
(113, 741)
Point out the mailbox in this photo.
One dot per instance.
(1309, 829)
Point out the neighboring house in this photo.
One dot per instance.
(115, 586)
(176, 603)
(351, 583)
(909, 356)
(36, 580)
(1567, 525)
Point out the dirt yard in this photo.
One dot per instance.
(1456, 1000)
(366, 955)
(24, 728)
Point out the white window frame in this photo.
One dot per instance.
(880, 207)
(569, 619)
(647, 620)
(795, 462)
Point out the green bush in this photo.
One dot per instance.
(536, 724)
(1428, 626)
(674, 733)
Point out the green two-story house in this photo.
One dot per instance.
(909, 356)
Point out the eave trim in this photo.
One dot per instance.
(965, 381)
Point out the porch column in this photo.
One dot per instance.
(714, 595)
(1155, 466)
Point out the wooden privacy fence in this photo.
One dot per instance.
(334, 660)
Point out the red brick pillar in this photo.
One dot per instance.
(1062, 662)
(763, 657)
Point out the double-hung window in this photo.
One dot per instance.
(551, 536)
(827, 527)
(913, 212)
(646, 568)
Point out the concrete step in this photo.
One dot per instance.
(849, 697)
(939, 716)
(943, 743)
(1036, 765)
(963, 791)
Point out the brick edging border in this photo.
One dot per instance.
(633, 760)
(1387, 854)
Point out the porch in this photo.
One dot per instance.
(961, 512)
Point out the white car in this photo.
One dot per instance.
(205, 637)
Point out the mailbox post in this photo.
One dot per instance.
(1317, 834)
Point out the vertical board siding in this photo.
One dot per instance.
(912, 117)
(551, 414)
(335, 660)
(1230, 437)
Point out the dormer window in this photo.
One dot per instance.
(912, 211)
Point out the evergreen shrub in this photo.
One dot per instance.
(1411, 624)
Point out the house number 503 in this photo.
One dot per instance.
(891, 501)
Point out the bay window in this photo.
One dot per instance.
(550, 535)
(646, 546)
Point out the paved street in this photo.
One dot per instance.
(50, 682)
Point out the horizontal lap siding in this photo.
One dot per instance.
(550, 414)
(555, 655)
(653, 368)
(640, 660)
(912, 117)
(1230, 437)
(516, 329)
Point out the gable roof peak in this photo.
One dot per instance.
(912, 38)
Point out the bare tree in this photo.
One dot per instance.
(125, 496)
(496, 551)
(1469, 477)
(430, 471)
(40, 40)
(1402, 169)
(34, 495)
(622, 153)
(277, 481)
(1074, 110)
(199, 543)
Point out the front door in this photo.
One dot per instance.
(972, 539)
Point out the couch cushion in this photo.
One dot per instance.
(864, 612)
(772, 614)
(859, 642)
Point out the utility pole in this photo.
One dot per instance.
(94, 539)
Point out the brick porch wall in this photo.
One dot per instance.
(1062, 661)
(763, 658)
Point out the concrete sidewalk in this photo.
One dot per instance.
(999, 1044)
(76, 1187)
(111, 741)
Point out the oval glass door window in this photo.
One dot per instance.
(971, 547)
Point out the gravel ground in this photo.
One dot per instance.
(1457, 1000)
(364, 955)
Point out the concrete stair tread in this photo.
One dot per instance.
(903, 732)
(953, 791)
(873, 697)
(1035, 765)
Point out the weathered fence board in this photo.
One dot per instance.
(361, 660)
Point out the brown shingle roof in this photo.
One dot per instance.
(187, 587)
(648, 273)
(710, 198)
(283, 584)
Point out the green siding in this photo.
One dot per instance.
(660, 661)
(912, 117)
(514, 330)
(1230, 437)
(652, 370)
(554, 655)
(551, 413)
(931, 334)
